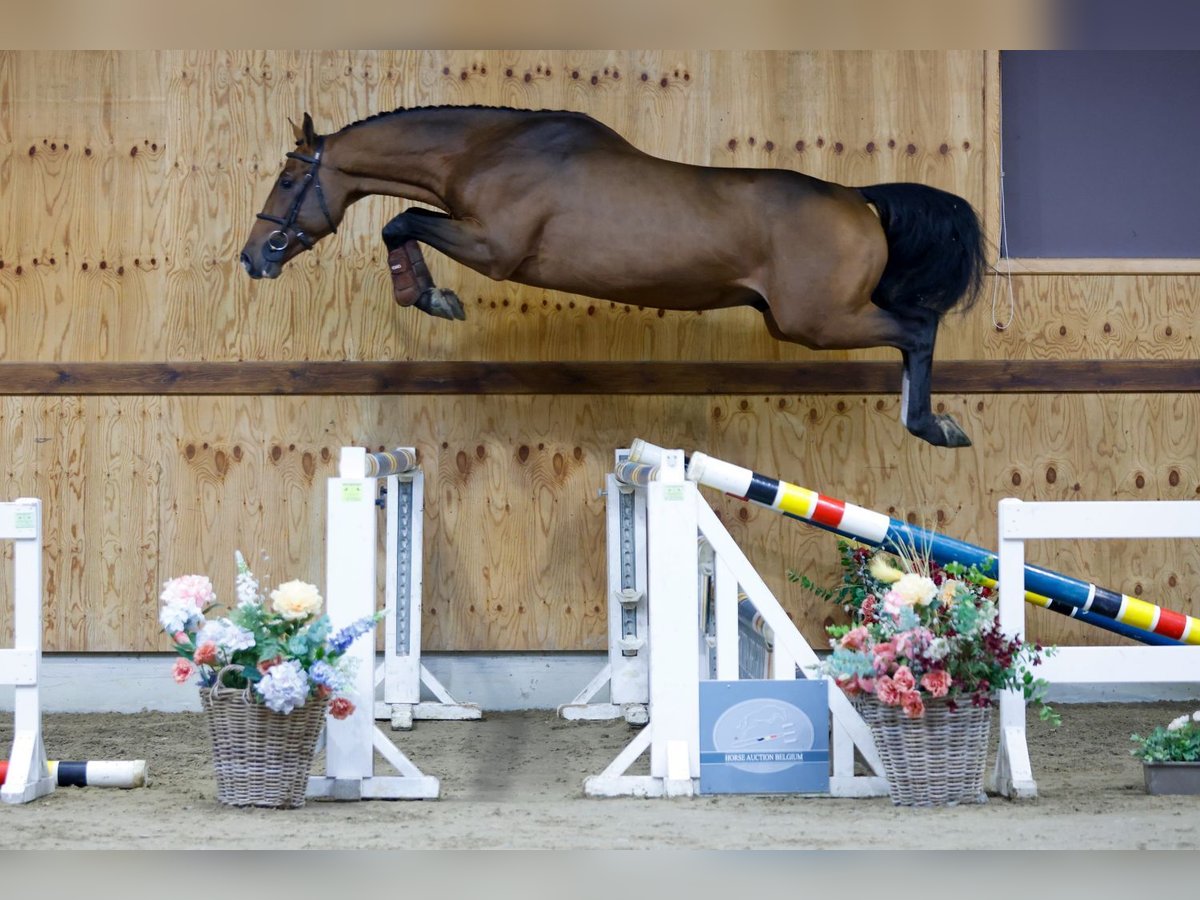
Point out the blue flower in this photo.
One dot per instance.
(341, 641)
(284, 687)
(323, 673)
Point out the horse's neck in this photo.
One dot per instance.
(406, 154)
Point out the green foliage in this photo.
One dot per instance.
(1176, 742)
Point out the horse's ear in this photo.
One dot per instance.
(297, 131)
(310, 136)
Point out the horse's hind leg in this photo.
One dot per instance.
(912, 334)
(916, 405)
(411, 282)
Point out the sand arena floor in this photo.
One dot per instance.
(514, 780)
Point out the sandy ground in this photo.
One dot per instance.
(515, 780)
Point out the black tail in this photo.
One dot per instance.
(935, 248)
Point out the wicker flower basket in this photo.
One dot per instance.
(261, 757)
(936, 760)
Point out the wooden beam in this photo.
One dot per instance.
(1097, 266)
(425, 377)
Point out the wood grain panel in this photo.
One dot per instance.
(1097, 317)
(140, 489)
(130, 179)
(209, 130)
(854, 117)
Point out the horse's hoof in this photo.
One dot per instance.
(952, 433)
(442, 303)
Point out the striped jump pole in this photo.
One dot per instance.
(115, 773)
(391, 462)
(635, 474)
(1110, 610)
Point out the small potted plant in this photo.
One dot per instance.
(1170, 756)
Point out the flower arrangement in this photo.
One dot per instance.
(285, 647)
(921, 631)
(1179, 741)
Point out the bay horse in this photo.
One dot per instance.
(558, 200)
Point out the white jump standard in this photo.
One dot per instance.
(351, 593)
(29, 775)
(402, 674)
(681, 651)
(627, 672)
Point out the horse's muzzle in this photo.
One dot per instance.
(268, 270)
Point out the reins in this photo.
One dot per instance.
(278, 240)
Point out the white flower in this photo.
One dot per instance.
(1181, 722)
(938, 648)
(296, 600)
(184, 600)
(1196, 716)
(245, 584)
(915, 589)
(246, 588)
(226, 635)
(177, 617)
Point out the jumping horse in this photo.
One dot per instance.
(558, 200)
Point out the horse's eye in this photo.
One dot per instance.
(286, 183)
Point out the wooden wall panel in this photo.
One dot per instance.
(140, 489)
(130, 180)
(171, 154)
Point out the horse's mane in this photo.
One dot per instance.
(480, 106)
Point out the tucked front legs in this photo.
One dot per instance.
(411, 282)
(410, 275)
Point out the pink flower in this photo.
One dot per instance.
(206, 654)
(848, 683)
(340, 707)
(887, 692)
(914, 642)
(914, 706)
(182, 670)
(855, 639)
(868, 609)
(936, 682)
(866, 685)
(885, 655)
(196, 590)
(180, 637)
(904, 679)
(267, 664)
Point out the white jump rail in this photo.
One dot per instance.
(676, 516)
(351, 592)
(1021, 521)
(29, 774)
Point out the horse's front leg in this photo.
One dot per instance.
(411, 282)
(916, 405)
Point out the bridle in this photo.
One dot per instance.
(278, 240)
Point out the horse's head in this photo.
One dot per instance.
(300, 210)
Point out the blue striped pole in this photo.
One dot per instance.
(1110, 610)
